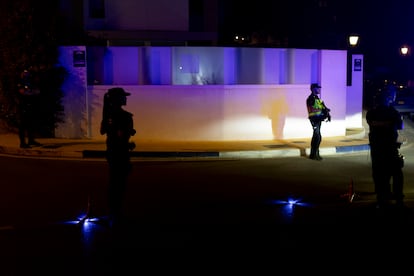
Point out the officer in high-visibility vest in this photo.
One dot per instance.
(317, 113)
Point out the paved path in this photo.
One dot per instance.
(354, 140)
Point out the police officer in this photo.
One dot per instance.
(317, 113)
(118, 126)
(384, 122)
(27, 97)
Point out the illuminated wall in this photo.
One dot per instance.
(215, 93)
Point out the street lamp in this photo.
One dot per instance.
(353, 40)
(404, 50)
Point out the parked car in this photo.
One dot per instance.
(404, 101)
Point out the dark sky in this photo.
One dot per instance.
(382, 25)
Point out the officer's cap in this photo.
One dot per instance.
(117, 92)
(315, 85)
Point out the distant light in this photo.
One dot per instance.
(290, 202)
(353, 40)
(239, 38)
(287, 207)
(404, 50)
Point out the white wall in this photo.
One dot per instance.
(220, 112)
(354, 96)
(332, 68)
(215, 113)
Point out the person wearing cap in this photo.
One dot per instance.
(317, 113)
(28, 100)
(384, 122)
(118, 126)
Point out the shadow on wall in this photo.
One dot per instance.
(276, 112)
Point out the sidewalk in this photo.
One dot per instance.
(355, 140)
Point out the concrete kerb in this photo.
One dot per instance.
(40, 152)
(261, 154)
(95, 150)
(140, 155)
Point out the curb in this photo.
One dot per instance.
(261, 153)
(240, 154)
(40, 153)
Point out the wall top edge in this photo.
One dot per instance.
(235, 86)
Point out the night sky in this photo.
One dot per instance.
(384, 26)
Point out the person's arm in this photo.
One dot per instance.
(326, 111)
(400, 122)
(310, 101)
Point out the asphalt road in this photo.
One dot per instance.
(193, 206)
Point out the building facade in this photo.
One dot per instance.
(211, 93)
(184, 87)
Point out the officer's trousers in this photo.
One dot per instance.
(387, 174)
(316, 136)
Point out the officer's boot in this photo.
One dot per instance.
(318, 157)
(312, 154)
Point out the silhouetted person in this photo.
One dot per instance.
(384, 122)
(28, 100)
(317, 113)
(118, 126)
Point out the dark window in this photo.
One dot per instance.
(196, 13)
(97, 8)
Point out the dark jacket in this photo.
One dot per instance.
(384, 122)
(119, 127)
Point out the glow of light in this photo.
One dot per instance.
(83, 219)
(243, 126)
(289, 202)
(404, 50)
(237, 38)
(288, 206)
(80, 219)
(292, 201)
(353, 40)
(71, 222)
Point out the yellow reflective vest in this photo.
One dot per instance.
(315, 106)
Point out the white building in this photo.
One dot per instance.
(199, 93)
(213, 93)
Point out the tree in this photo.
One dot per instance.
(28, 40)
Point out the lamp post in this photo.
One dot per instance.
(405, 53)
(353, 41)
(354, 90)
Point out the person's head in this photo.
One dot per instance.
(117, 96)
(315, 88)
